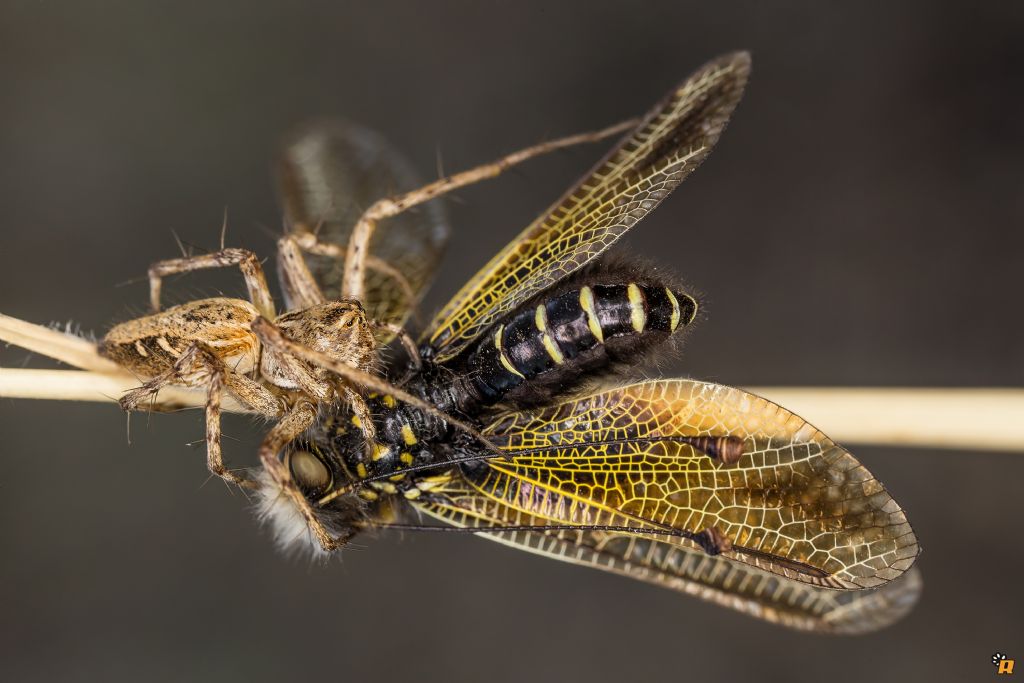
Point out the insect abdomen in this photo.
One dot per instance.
(552, 345)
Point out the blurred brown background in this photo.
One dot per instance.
(859, 224)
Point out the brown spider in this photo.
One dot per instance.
(286, 366)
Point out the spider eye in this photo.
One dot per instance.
(350, 323)
(309, 472)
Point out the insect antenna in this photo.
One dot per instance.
(728, 449)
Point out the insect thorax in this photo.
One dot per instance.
(405, 435)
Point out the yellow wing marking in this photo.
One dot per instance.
(674, 138)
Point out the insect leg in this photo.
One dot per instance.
(357, 251)
(246, 261)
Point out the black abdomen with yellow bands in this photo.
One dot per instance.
(552, 345)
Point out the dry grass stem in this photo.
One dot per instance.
(969, 419)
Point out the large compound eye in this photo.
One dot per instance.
(309, 472)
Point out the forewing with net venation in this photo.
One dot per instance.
(330, 172)
(793, 503)
(717, 579)
(671, 141)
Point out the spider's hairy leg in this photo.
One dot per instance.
(364, 418)
(247, 262)
(356, 253)
(300, 287)
(255, 396)
(271, 337)
(199, 361)
(289, 428)
(311, 382)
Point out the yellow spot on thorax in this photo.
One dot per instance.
(406, 458)
(361, 471)
(389, 401)
(384, 486)
(638, 316)
(357, 422)
(379, 451)
(541, 320)
(408, 436)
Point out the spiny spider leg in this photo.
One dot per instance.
(361, 411)
(246, 261)
(271, 338)
(289, 428)
(316, 388)
(200, 361)
(357, 251)
(300, 287)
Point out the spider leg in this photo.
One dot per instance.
(247, 262)
(356, 253)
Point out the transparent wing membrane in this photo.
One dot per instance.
(716, 579)
(329, 173)
(642, 170)
(793, 503)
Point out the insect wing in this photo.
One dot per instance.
(716, 579)
(792, 503)
(329, 173)
(671, 141)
